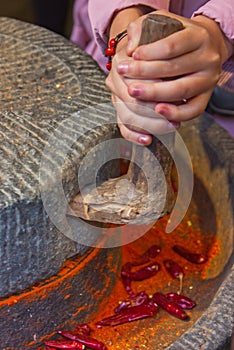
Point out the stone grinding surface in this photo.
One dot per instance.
(44, 79)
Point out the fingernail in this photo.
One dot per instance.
(163, 111)
(143, 139)
(122, 68)
(135, 56)
(136, 91)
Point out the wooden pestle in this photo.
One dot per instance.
(144, 206)
(154, 28)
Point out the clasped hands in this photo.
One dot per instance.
(157, 86)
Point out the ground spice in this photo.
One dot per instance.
(139, 334)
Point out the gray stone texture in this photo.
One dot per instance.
(44, 80)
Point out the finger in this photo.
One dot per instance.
(139, 107)
(142, 123)
(192, 109)
(133, 136)
(121, 91)
(174, 45)
(134, 34)
(173, 90)
(186, 64)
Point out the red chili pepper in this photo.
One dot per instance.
(82, 329)
(190, 256)
(128, 315)
(127, 285)
(126, 267)
(135, 300)
(181, 300)
(143, 273)
(64, 344)
(153, 251)
(169, 306)
(174, 269)
(150, 253)
(84, 339)
(126, 281)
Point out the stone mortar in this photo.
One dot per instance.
(59, 81)
(44, 80)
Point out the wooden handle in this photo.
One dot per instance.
(156, 27)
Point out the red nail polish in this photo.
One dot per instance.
(163, 111)
(135, 56)
(122, 68)
(143, 140)
(136, 91)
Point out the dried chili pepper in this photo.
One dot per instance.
(126, 268)
(190, 256)
(138, 259)
(174, 269)
(150, 253)
(128, 315)
(64, 344)
(82, 328)
(127, 286)
(153, 251)
(84, 339)
(181, 300)
(172, 308)
(135, 300)
(143, 273)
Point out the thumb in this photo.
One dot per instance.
(134, 34)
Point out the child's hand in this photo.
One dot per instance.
(137, 119)
(174, 76)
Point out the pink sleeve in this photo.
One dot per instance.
(222, 12)
(102, 11)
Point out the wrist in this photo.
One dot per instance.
(122, 18)
(112, 47)
(118, 34)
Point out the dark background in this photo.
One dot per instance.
(55, 15)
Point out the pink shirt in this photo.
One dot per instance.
(92, 20)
